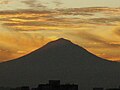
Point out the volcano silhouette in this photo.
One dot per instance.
(63, 60)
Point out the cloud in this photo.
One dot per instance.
(57, 19)
(93, 15)
(95, 40)
(117, 31)
(107, 20)
(4, 2)
(34, 4)
(31, 20)
(57, 3)
(91, 27)
(23, 19)
(28, 19)
(14, 44)
(93, 10)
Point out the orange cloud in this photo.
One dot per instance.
(31, 29)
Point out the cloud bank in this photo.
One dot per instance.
(90, 27)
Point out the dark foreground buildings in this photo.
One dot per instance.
(106, 89)
(55, 85)
(52, 85)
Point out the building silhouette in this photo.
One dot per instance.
(21, 88)
(52, 85)
(106, 88)
(113, 89)
(100, 88)
(55, 85)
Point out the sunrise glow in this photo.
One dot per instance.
(26, 25)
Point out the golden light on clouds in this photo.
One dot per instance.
(24, 30)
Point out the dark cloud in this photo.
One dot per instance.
(59, 18)
(37, 18)
(57, 3)
(33, 23)
(73, 11)
(90, 11)
(26, 11)
(108, 20)
(34, 4)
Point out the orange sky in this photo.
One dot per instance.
(26, 28)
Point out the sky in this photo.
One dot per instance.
(26, 25)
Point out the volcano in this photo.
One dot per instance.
(61, 60)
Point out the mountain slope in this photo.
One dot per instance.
(60, 59)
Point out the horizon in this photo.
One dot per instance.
(60, 43)
(26, 25)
